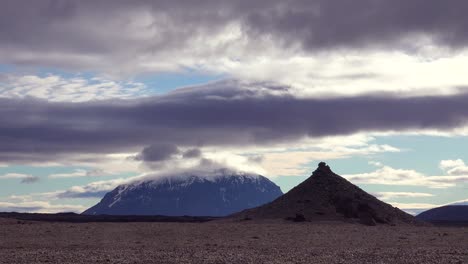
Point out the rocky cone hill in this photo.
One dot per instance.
(326, 196)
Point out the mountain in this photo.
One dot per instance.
(192, 195)
(445, 214)
(464, 202)
(326, 196)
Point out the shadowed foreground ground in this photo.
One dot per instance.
(223, 242)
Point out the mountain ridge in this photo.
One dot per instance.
(193, 195)
(445, 214)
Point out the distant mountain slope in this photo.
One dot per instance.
(448, 213)
(327, 196)
(193, 195)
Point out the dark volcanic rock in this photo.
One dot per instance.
(297, 218)
(192, 195)
(328, 196)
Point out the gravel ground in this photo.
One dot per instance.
(228, 242)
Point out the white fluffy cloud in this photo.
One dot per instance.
(285, 159)
(413, 208)
(93, 165)
(72, 89)
(356, 72)
(25, 178)
(391, 195)
(387, 175)
(95, 189)
(288, 42)
(39, 207)
(294, 158)
(312, 76)
(80, 173)
(454, 167)
(14, 176)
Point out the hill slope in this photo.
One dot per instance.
(449, 213)
(327, 196)
(192, 195)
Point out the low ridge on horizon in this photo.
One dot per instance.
(326, 196)
(445, 214)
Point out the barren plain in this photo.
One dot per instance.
(228, 242)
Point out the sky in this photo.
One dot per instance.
(94, 94)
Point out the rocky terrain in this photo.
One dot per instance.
(325, 219)
(217, 195)
(228, 242)
(326, 196)
(81, 218)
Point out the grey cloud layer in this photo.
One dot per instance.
(155, 153)
(41, 130)
(106, 33)
(30, 179)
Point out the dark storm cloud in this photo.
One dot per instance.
(102, 33)
(159, 152)
(361, 23)
(40, 130)
(30, 179)
(256, 159)
(192, 153)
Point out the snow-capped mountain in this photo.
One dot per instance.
(189, 195)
